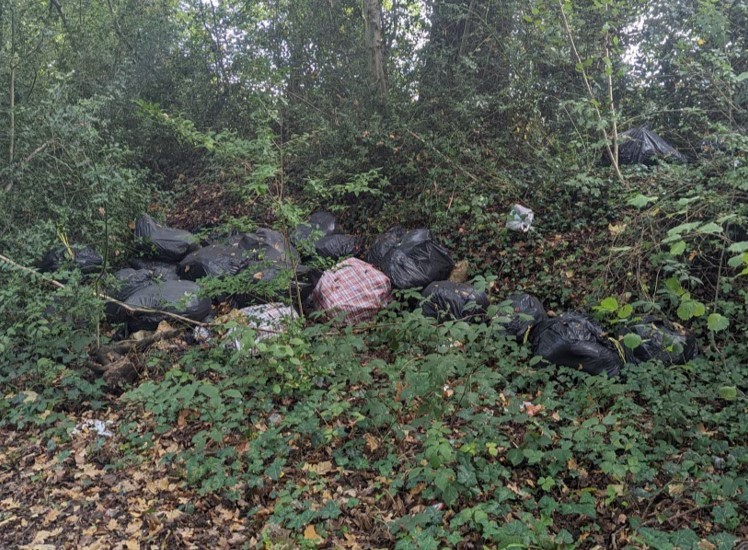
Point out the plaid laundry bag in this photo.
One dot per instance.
(352, 291)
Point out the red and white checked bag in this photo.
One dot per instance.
(354, 289)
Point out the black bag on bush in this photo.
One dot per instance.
(131, 280)
(383, 244)
(320, 224)
(215, 260)
(417, 261)
(573, 340)
(267, 244)
(179, 297)
(524, 304)
(661, 340)
(339, 246)
(643, 146)
(86, 259)
(448, 300)
(159, 270)
(163, 243)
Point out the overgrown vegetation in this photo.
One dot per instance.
(401, 433)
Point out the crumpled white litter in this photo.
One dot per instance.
(98, 426)
(520, 218)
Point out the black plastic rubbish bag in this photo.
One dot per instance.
(573, 340)
(661, 340)
(320, 224)
(163, 243)
(339, 246)
(448, 300)
(642, 146)
(215, 260)
(527, 312)
(383, 244)
(417, 260)
(86, 259)
(130, 280)
(178, 297)
(267, 244)
(159, 270)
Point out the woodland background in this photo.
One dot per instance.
(217, 114)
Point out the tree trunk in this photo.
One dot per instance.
(375, 45)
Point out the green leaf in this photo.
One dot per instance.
(632, 341)
(683, 228)
(678, 248)
(625, 311)
(710, 228)
(741, 77)
(609, 304)
(641, 201)
(728, 393)
(738, 261)
(717, 322)
(209, 390)
(742, 246)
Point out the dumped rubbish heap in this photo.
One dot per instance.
(167, 278)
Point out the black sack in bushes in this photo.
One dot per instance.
(215, 260)
(573, 340)
(339, 246)
(320, 224)
(643, 146)
(383, 244)
(524, 304)
(417, 261)
(163, 243)
(159, 270)
(662, 340)
(267, 244)
(86, 259)
(448, 300)
(131, 280)
(179, 297)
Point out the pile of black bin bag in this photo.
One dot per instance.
(165, 277)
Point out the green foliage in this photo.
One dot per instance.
(44, 350)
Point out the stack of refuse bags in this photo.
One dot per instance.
(157, 242)
(352, 292)
(574, 340)
(339, 246)
(266, 245)
(178, 297)
(526, 312)
(319, 225)
(447, 300)
(661, 340)
(412, 261)
(84, 258)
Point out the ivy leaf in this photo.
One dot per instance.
(728, 393)
(738, 261)
(632, 341)
(678, 248)
(717, 322)
(710, 228)
(641, 201)
(625, 311)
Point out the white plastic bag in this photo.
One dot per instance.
(520, 218)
